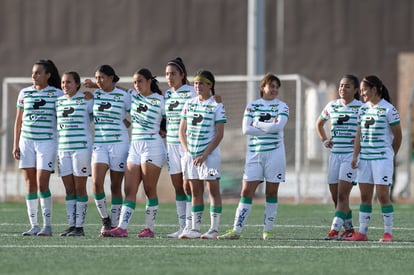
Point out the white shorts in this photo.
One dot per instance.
(269, 166)
(209, 170)
(339, 168)
(375, 171)
(38, 154)
(151, 151)
(174, 154)
(77, 163)
(114, 155)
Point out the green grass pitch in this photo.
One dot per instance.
(297, 248)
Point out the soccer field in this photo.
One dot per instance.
(298, 246)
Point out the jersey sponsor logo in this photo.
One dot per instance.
(142, 108)
(342, 119)
(38, 103)
(265, 117)
(197, 119)
(369, 121)
(173, 105)
(67, 111)
(104, 105)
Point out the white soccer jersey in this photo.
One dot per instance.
(146, 114)
(73, 122)
(343, 124)
(261, 113)
(39, 113)
(109, 112)
(174, 103)
(376, 135)
(201, 117)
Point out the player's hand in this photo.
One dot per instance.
(327, 143)
(88, 83)
(16, 153)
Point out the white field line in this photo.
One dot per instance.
(270, 247)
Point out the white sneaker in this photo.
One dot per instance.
(192, 234)
(175, 235)
(209, 235)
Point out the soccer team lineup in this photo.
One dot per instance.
(133, 133)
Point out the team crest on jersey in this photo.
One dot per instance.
(209, 108)
(117, 97)
(155, 101)
(381, 111)
(273, 107)
(184, 94)
(79, 101)
(50, 93)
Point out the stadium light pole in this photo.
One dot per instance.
(280, 35)
(255, 45)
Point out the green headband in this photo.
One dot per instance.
(203, 79)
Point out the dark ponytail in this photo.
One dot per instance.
(50, 67)
(373, 81)
(154, 82)
(179, 64)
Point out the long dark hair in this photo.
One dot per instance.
(373, 81)
(355, 82)
(109, 71)
(154, 82)
(179, 64)
(50, 67)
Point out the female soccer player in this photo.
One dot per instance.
(35, 141)
(201, 131)
(377, 142)
(342, 114)
(74, 150)
(264, 120)
(147, 153)
(175, 97)
(111, 143)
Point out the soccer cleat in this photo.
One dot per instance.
(145, 233)
(209, 235)
(267, 235)
(192, 234)
(77, 232)
(386, 238)
(332, 235)
(46, 231)
(176, 234)
(230, 235)
(357, 237)
(117, 232)
(346, 234)
(32, 231)
(67, 231)
(106, 227)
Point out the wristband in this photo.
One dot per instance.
(326, 142)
